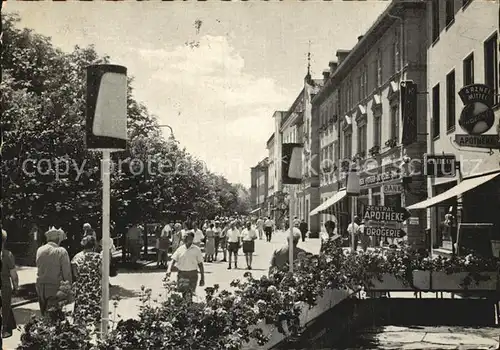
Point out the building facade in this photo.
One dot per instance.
(259, 187)
(463, 49)
(271, 177)
(361, 121)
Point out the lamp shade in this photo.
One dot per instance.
(353, 186)
(106, 117)
(291, 163)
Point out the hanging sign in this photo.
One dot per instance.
(477, 117)
(381, 213)
(392, 188)
(478, 141)
(291, 163)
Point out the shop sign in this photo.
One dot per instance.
(385, 232)
(477, 117)
(392, 188)
(379, 178)
(414, 220)
(382, 224)
(440, 165)
(381, 213)
(479, 141)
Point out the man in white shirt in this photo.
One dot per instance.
(353, 230)
(268, 229)
(233, 244)
(198, 235)
(163, 245)
(248, 236)
(188, 259)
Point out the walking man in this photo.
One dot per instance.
(268, 228)
(134, 236)
(248, 236)
(233, 244)
(189, 260)
(260, 227)
(303, 229)
(163, 245)
(53, 267)
(353, 230)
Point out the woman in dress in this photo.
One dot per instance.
(217, 231)
(86, 267)
(10, 283)
(176, 237)
(330, 236)
(210, 243)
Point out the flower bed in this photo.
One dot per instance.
(259, 312)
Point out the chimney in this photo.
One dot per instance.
(333, 66)
(360, 37)
(341, 55)
(326, 75)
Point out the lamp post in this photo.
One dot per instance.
(169, 127)
(353, 191)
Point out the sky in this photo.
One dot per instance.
(220, 94)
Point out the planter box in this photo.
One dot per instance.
(441, 281)
(422, 280)
(389, 282)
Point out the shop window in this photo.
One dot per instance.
(436, 121)
(491, 65)
(469, 70)
(450, 101)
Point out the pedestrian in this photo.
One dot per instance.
(198, 235)
(188, 259)
(233, 244)
(296, 221)
(248, 236)
(34, 244)
(365, 240)
(210, 243)
(217, 233)
(353, 230)
(330, 235)
(176, 236)
(281, 256)
(53, 268)
(134, 245)
(260, 227)
(163, 244)
(303, 229)
(87, 268)
(10, 283)
(223, 240)
(268, 229)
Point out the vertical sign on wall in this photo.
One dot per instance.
(409, 112)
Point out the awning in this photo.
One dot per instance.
(254, 211)
(329, 202)
(462, 187)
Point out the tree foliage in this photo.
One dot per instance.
(48, 175)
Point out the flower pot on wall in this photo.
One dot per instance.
(389, 282)
(441, 281)
(422, 280)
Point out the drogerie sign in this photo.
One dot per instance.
(380, 213)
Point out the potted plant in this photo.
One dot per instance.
(391, 143)
(374, 151)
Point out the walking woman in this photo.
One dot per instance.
(176, 236)
(223, 241)
(10, 283)
(210, 243)
(217, 232)
(86, 267)
(248, 236)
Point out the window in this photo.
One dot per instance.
(469, 70)
(347, 145)
(365, 78)
(378, 69)
(377, 131)
(435, 112)
(491, 66)
(362, 139)
(395, 122)
(361, 87)
(450, 11)
(396, 55)
(450, 101)
(435, 20)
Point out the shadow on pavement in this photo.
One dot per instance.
(23, 315)
(122, 293)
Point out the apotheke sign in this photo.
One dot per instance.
(476, 117)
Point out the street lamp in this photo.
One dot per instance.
(171, 130)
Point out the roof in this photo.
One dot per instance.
(381, 24)
(270, 139)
